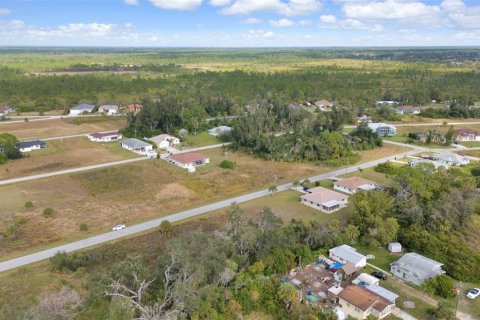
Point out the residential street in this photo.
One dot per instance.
(132, 230)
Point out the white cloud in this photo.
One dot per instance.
(452, 5)
(253, 21)
(304, 23)
(220, 3)
(4, 11)
(290, 8)
(460, 15)
(177, 4)
(331, 22)
(389, 9)
(281, 23)
(131, 2)
(258, 35)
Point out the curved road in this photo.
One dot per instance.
(132, 230)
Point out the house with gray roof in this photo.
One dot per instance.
(137, 146)
(415, 268)
(382, 292)
(81, 108)
(451, 159)
(346, 254)
(382, 129)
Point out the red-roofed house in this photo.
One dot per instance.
(189, 160)
(133, 107)
(104, 136)
(466, 134)
(325, 199)
(359, 303)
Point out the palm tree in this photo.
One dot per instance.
(295, 184)
(273, 189)
(306, 182)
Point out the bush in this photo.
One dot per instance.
(29, 205)
(442, 286)
(227, 164)
(83, 227)
(165, 228)
(475, 171)
(48, 213)
(385, 167)
(63, 262)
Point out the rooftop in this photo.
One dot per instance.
(347, 253)
(376, 125)
(28, 144)
(353, 182)
(104, 134)
(187, 158)
(83, 106)
(135, 143)
(466, 131)
(363, 298)
(382, 292)
(419, 265)
(323, 195)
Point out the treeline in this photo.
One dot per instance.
(354, 88)
(460, 109)
(429, 212)
(275, 131)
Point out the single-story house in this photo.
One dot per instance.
(415, 268)
(109, 109)
(382, 129)
(347, 254)
(386, 103)
(81, 108)
(395, 247)
(164, 141)
(133, 107)
(189, 160)
(382, 292)
(104, 136)
(364, 280)
(218, 131)
(323, 104)
(359, 303)
(436, 164)
(136, 145)
(364, 119)
(353, 184)
(408, 110)
(324, 199)
(451, 159)
(466, 134)
(27, 146)
(4, 110)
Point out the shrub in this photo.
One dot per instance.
(385, 167)
(48, 212)
(83, 227)
(63, 262)
(442, 286)
(227, 164)
(475, 171)
(29, 205)
(165, 228)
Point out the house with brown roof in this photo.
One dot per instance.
(323, 104)
(104, 136)
(466, 134)
(133, 107)
(353, 184)
(189, 160)
(408, 110)
(324, 199)
(360, 302)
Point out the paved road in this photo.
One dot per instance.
(132, 230)
(95, 166)
(67, 137)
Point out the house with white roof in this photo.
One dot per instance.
(324, 199)
(137, 146)
(415, 268)
(163, 141)
(416, 162)
(451, 159)
(346, 254)
(218, 131)
(353, 184)
(382, 292)
(109, 109)
(382, 129)
(81, 108)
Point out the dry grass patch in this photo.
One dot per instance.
(58, 127)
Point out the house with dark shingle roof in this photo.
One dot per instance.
(104, 136)
(27, 146)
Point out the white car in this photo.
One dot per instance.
(118, 227)
(473, 293)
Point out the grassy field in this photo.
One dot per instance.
(134, 193)
(58, 127)
(470, 144)
(200, 140)
(64, 154)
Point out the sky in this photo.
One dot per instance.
(239, 23)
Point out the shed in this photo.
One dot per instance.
(395, 247)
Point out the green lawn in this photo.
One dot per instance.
(200, 140)
(470, 144)
(371, 174)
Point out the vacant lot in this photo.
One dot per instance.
(58, 127)
(64, 154)
(133, 193)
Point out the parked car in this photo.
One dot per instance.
(473, 293)
(380, 275)
(118, 227)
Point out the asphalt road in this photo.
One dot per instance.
(132, 230)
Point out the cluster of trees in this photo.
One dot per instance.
(276, 131)
(227, 274)
(429, 211)
(8, 148)
(433, 137)
(458, 109)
